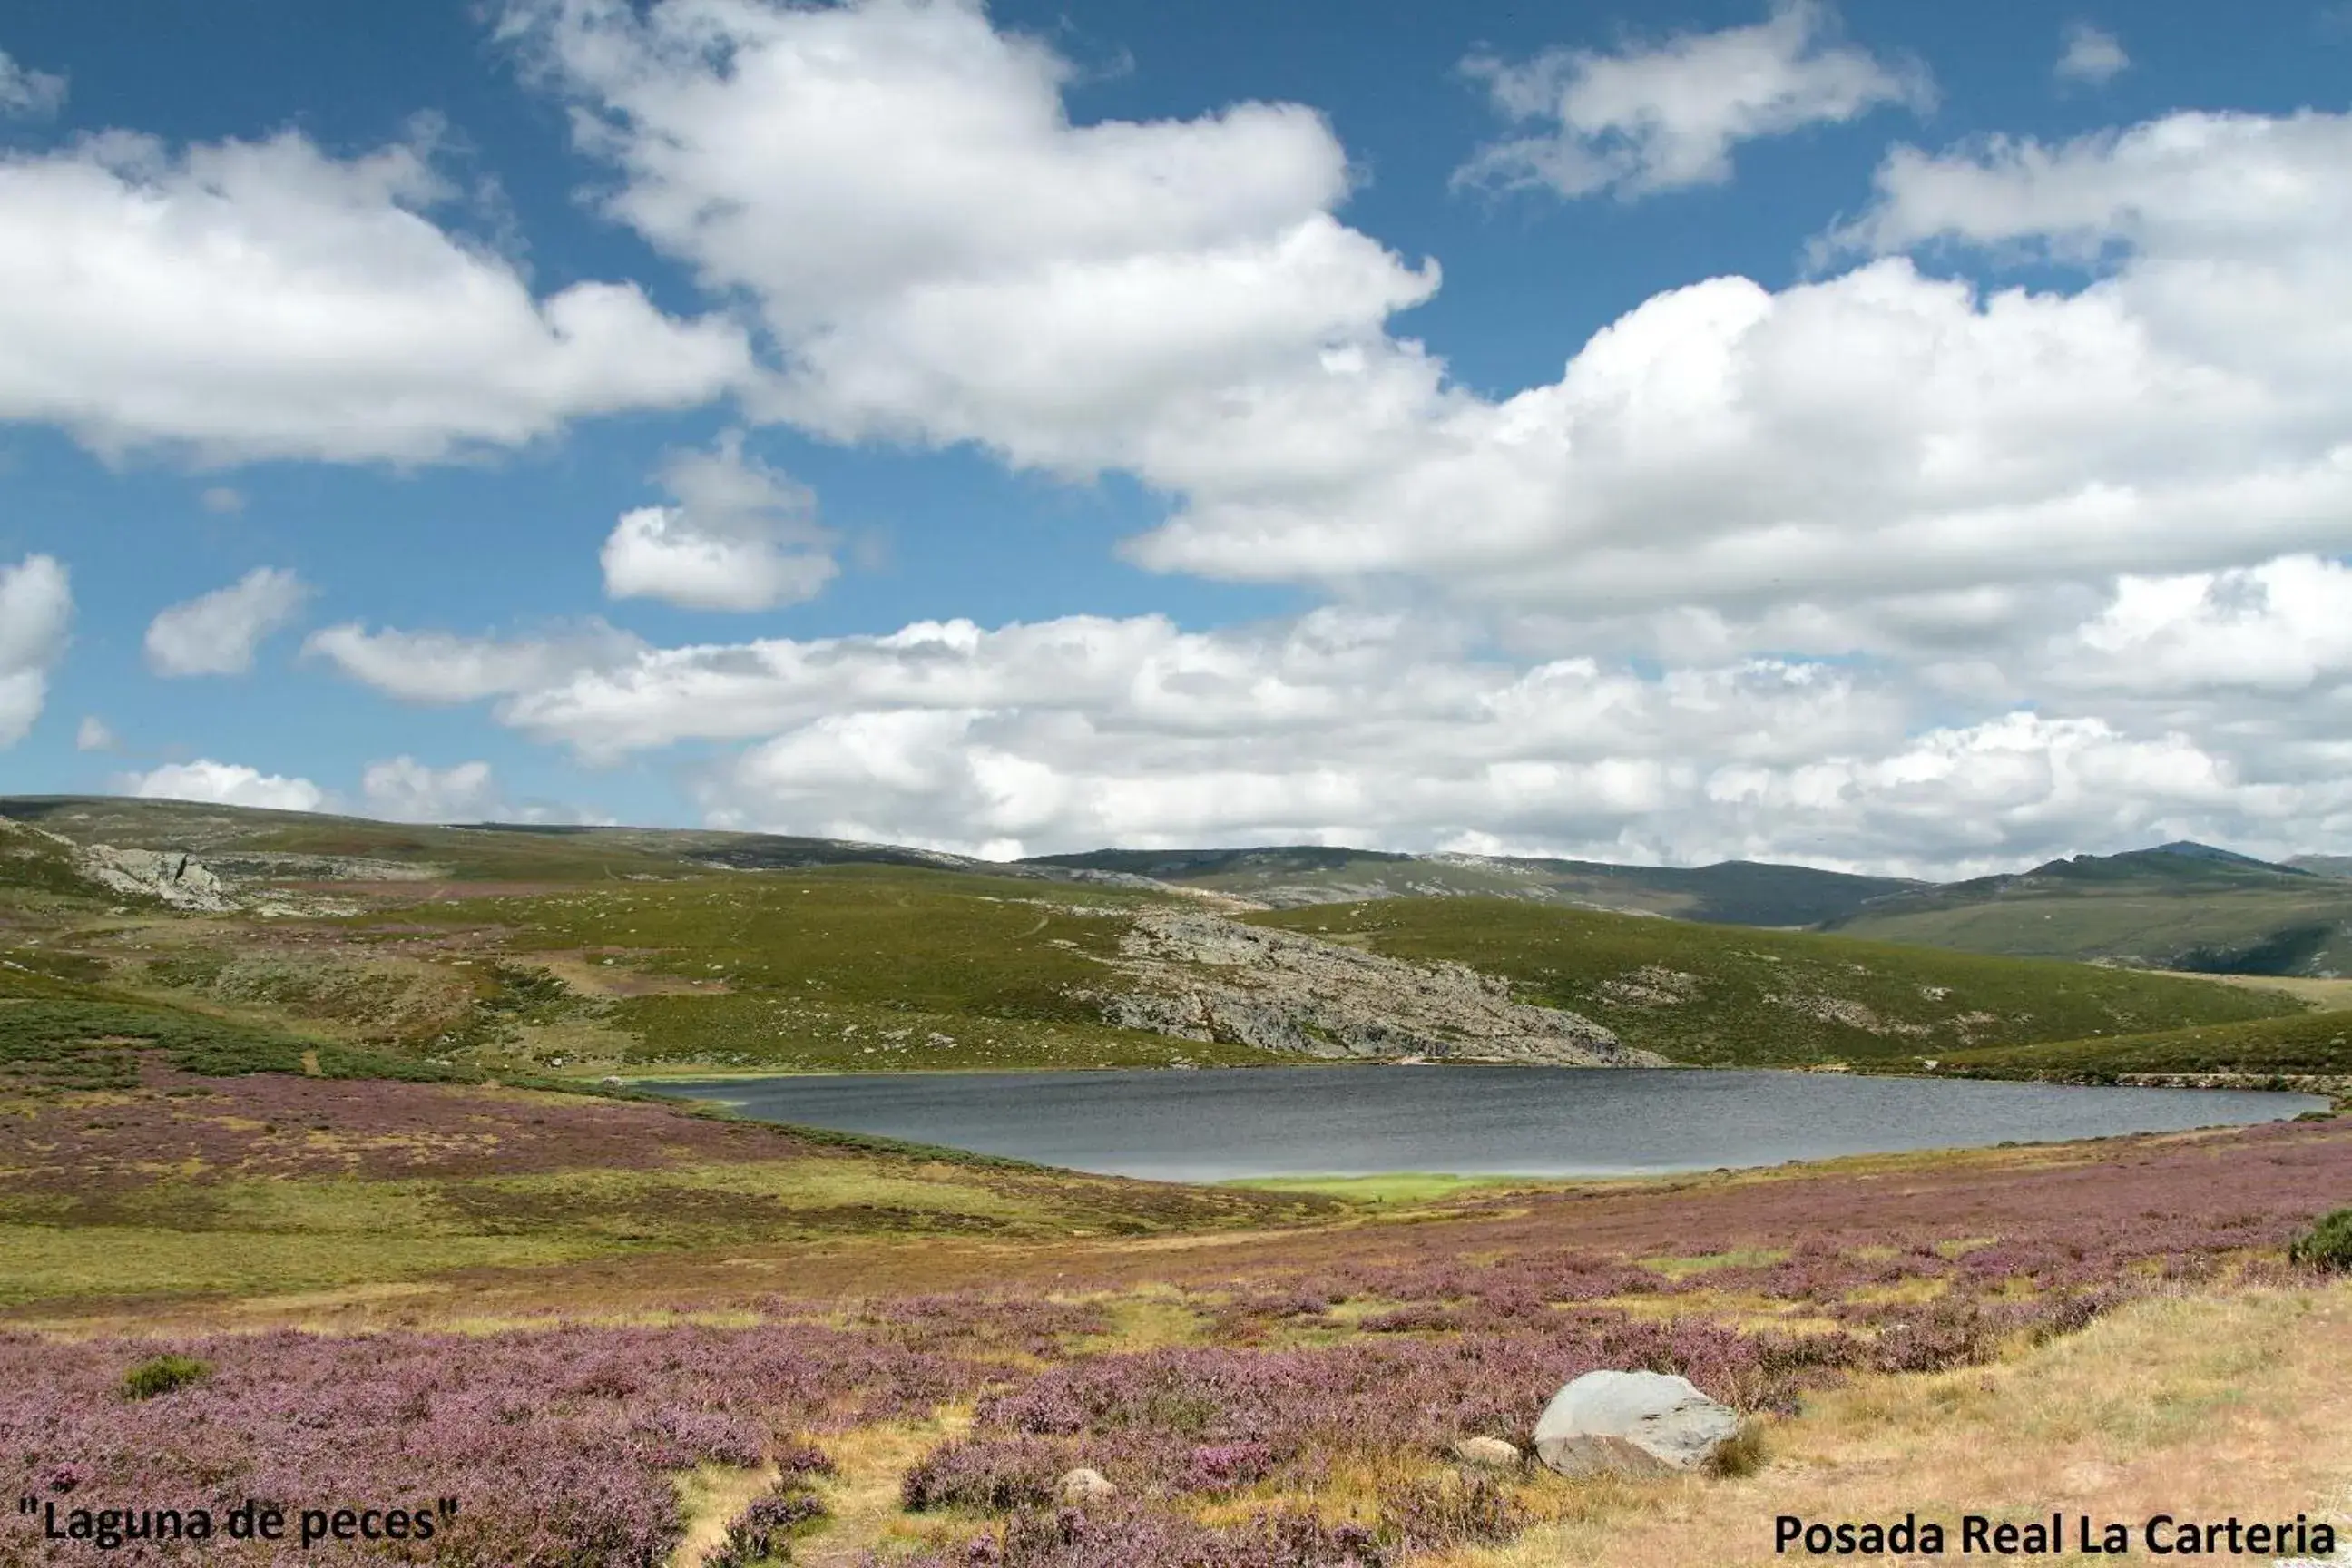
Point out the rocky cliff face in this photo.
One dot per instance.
(1200, 977)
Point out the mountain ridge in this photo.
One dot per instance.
(2178, 905)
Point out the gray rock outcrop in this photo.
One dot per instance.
(1082, 1486)
(174, 876)
(1202, 978)
(1486, 1452)
(1632, 1422)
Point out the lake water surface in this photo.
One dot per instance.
(1215, 1124)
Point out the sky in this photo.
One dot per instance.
(1912, 439)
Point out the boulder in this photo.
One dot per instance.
(1084, 1487)
(1631, 1423)
(1487, 1453)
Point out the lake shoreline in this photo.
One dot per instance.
(1318, 1121)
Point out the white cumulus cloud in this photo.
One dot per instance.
(741, 536)
(94, 734)
(1179, 300)
(446, 667)
(1665, 116)
(1883, 431)
(224, 784)
(406, 790)
(254, 300)
(1872, 569)
(1343, 726)
(218, 633)
(2091, 55)
(942, 255)
(35, 606)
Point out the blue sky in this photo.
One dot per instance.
(1962, 480)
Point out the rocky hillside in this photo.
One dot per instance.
(1719, 996)
(1202, 978)
(41, 861)
(1736, 892)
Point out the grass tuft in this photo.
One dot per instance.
(2327, 1245)
(164, 1374)
(1743, 1454)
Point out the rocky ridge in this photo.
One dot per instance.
(1198, 976)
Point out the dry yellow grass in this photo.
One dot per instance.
(864, 1495)
(2323, 996)
(2197, 1407)
(709, 1495)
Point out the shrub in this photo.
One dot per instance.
(1742, 1454)
(2327, 1245)
(763, 1532)
(164, 1374)
(992, 1474)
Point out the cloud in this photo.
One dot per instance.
(940, 255)
(741, 537)
(1177, 300)
(2283, 628)
(1885, 433)
(224, 783)
(444, 667)
(35, 606)
(239, 300)
(404, 790)
(93, 735)
(2091, 55)
(28, 94)
(222, 501)
(1666, 117)
(218, 633)
(1404, 732)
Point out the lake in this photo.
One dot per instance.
(1215, 1124)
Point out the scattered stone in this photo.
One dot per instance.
(609, 1081)
(1203, 977)
(1487, 1453)
(1084, 1487)
(1632, 1422)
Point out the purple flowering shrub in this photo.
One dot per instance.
(557, 1444)
(995, 1473)
(970, 1321)
(1134, 1536)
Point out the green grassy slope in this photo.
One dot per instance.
(2316, 1044)
(859, 967)
(2151, 907)
(1721, 996)
(58, 1033)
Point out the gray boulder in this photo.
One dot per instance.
(1632, 1422)
(1084, 1487)
(1487, 1453)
